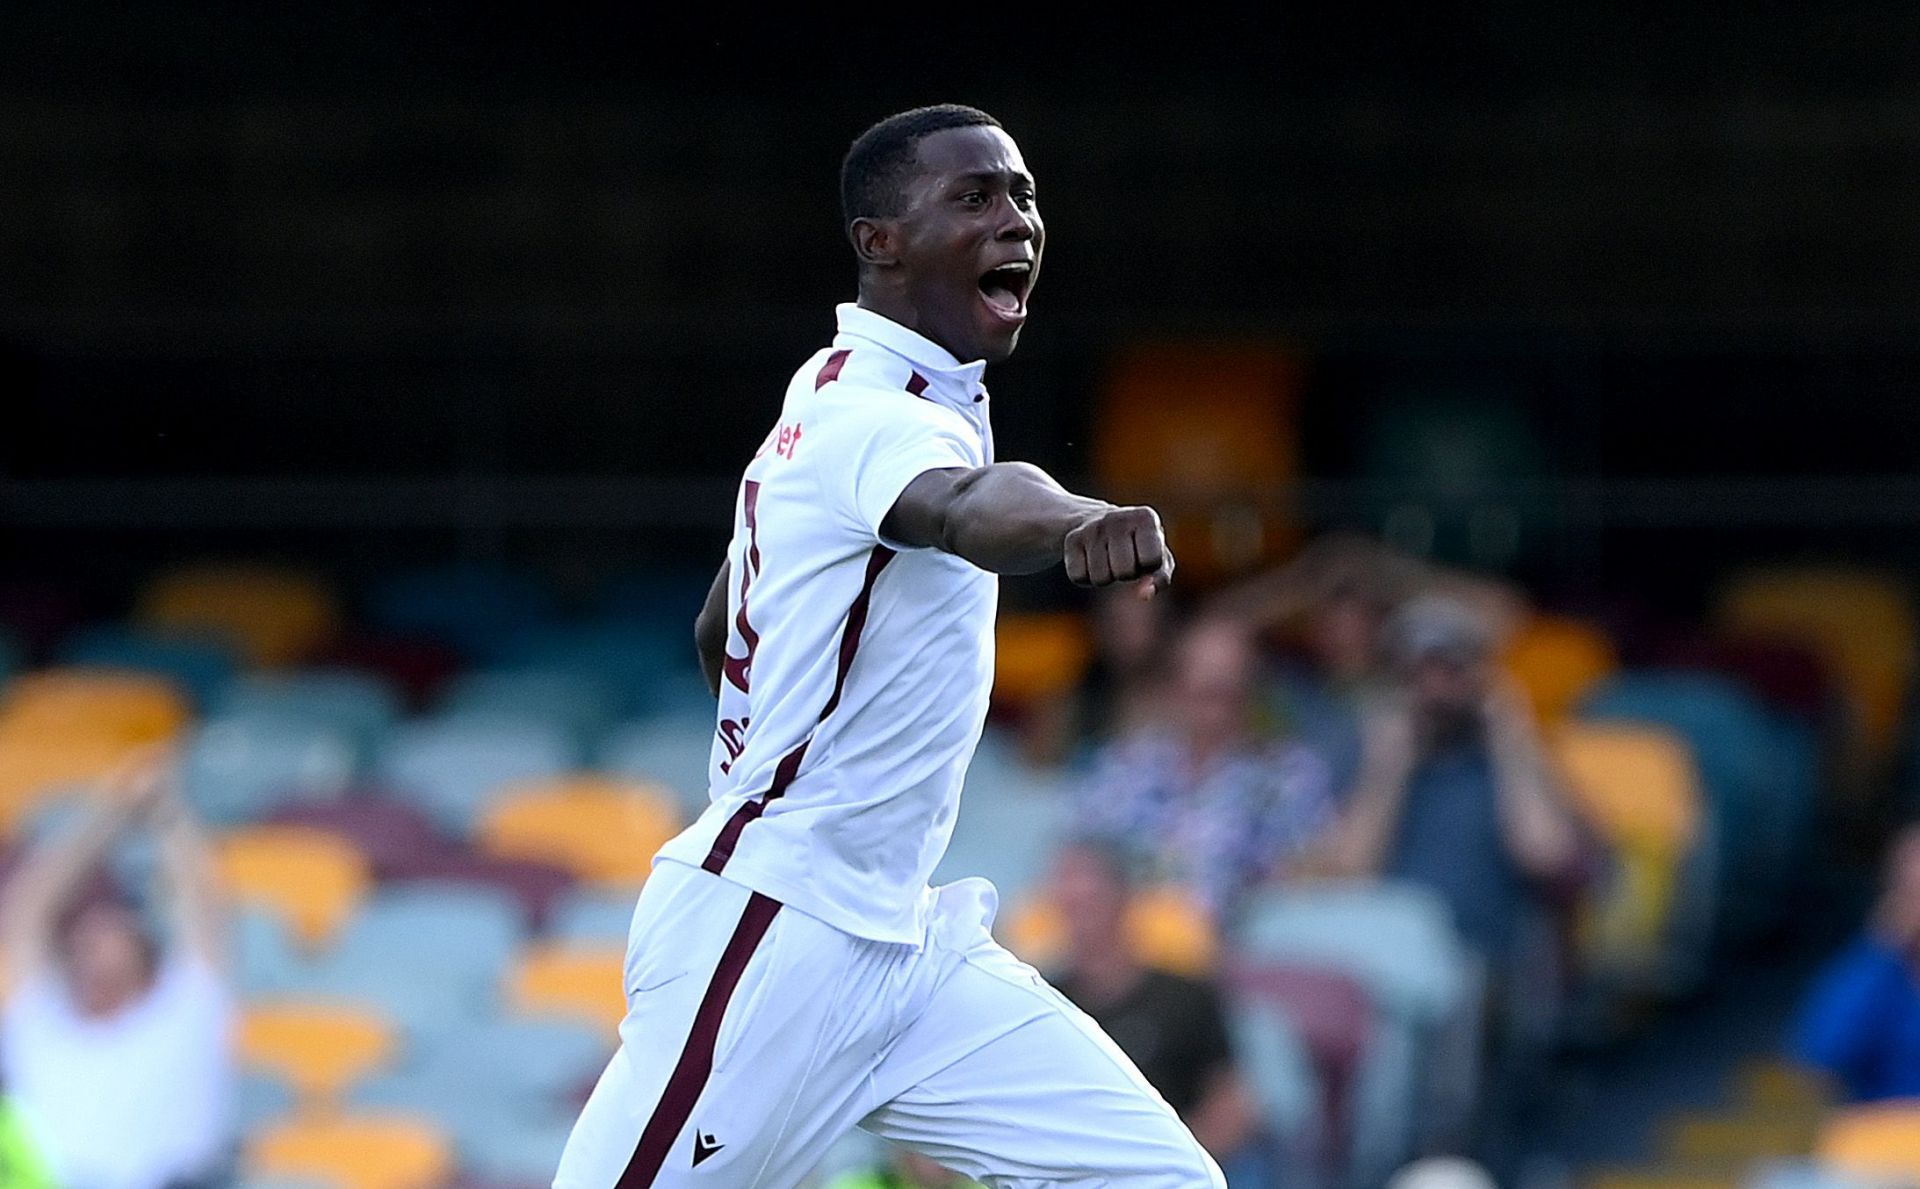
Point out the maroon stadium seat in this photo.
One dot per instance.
(1333, 1016)
(389, 832)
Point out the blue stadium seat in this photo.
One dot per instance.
(1760, 775)
(672, 750)
(517, 1059)
(1279, 1071)
(450, 770)
(589, 914)
(266, 960)
(476, 609)
(645, 669)
(430, 956)
(513, 1149)
(1398, 941)
(238, 770)
(360, 705)
(259, 1098)
(576, 703)
(200, 665)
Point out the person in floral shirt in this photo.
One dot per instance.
(1203, 796)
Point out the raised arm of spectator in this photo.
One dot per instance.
(1535, 815)
(48, 881)
(1388, 751)
(195, 907)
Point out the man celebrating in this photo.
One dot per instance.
(791, 974)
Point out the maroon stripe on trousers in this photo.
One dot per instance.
(690, 1073)
(831, 371)
(789, 766)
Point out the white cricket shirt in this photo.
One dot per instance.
(857, 671)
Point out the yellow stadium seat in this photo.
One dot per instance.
(354, 1152)
(1556, 660)
(1783, 1086)
(1660, 1179)
(1861, 622)
(1208, 432)
(35, 770)
(1638, 787)
(1881, 1140)
(1738, 1139)
(602, 829)
(1039, 656)
(1168, 931)
(277, 617)
(317, 1049)
(79, 702)
(585, 984)
(313, 878)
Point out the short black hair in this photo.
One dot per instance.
(877, 164)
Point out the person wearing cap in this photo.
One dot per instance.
(1455, 790)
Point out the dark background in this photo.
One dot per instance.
(351, 285)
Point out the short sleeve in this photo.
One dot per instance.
(884, 442)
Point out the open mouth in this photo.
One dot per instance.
(1005, 288)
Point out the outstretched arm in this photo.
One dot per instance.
(47, 882)
(1013, 518)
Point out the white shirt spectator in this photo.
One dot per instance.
(135, 1100)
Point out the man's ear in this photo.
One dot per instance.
(876, 242)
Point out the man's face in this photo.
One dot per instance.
(970, 239)
(1448, 688)
(1215, 681)
(1091, 901)
(107, 964)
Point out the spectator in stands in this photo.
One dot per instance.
(1455, 789)
(1329, 605)
(116, 1049)
(1174, 1028)
(1862, 1022)
(1122, 686)
(1212, 803)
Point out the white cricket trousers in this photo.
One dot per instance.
(756, 1036)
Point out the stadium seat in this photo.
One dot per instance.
(1736, 1138)
(1209, 432)
(535, 886)
(517, 1061)
(430, 956)
(605, 831)
(383, 828)
(476, 609)
(37, 771)
(1168, 931)
(671, 750)
(514, 1148)
(416, 667)
(1556, 659)
(259, 1099)
(1880, 1140)
(313, 879)
(1862, 622)
(1397, 941)
(593, 915)
(239, 770)
(453, 771)
(1329, 1018)
(1636, 785)
(354, 1152)
(577, 983)
(197, 665)
(105, 704)
(267, 960)
(361, 706)
(1777, 1085)
(276, 617)
(1039, 656)
(574, 703)
(318, 1050)
(645, 667)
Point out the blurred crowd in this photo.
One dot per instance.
(1332, 854)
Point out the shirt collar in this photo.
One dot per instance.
(954, 382)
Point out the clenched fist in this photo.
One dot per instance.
(1120, 545)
